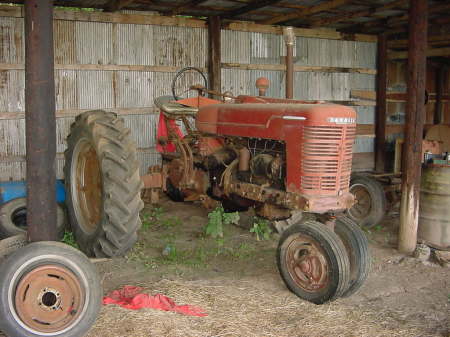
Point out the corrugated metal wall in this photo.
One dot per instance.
(86, 78)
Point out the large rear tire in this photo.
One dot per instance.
(313, 262)
(357, 246)
(370, 206)
(103, 184)
(48, 289)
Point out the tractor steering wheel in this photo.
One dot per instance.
(185, 79)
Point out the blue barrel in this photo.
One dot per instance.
(10, 190)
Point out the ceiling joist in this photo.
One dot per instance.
(252, 6)
(324, 6)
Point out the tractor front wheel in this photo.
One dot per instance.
(313, 262)
(103, 184)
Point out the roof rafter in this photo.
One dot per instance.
(353, 15)
(116, 5)
(179, 9)
(252, 6)
(324, 6)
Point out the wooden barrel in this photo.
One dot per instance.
(434, 210)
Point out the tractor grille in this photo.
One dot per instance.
(326, 159)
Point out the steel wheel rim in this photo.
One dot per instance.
(86, 188)
(307, 263)
(49, 299)
(361, 209)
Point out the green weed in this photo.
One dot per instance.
(261, 228)
(216, 219)
(69, 239)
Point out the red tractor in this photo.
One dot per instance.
(290, 160)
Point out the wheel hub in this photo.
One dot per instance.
(87, 191)
(49, 299)
(363, 205)
(307, 264)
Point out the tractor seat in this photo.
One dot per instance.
(172, 109)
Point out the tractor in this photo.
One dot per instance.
(287, 159)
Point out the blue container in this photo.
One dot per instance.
(10, 190)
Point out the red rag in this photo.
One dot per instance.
(163, 133)
(130, 297)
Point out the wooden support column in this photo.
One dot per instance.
(415, 116)
(40, 122)
(214, 58)
(380, 117)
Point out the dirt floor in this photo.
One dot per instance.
(236, 282)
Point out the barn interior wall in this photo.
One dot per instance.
(396, 101)
(122, 67)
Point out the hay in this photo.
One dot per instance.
(249, 309)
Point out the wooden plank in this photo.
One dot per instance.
(441, 76)
(214, 56)
(100, 67)
(398, 55)
(415, 114)
(65, 113)
(431, 39)
(302, 32)
(139, 19)
(282, 67)
(380, 116)
(321, 7)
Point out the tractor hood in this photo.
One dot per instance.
(270, 121)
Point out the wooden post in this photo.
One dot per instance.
(415, 116)
(214, 59)
(380, 117)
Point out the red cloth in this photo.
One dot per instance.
(130, 297)
(162, 133)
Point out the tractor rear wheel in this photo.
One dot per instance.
(313, 262)
(370, 206)
(103, 184)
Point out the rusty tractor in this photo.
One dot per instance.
(290, 160)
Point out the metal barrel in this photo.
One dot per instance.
(434, 209)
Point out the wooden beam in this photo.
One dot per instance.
(252, 6)
(324, 6)
(415, 116)
(329, 34)
(380, 117)
(282, 67)
(398, 55)
(324, 22)
(116, 5)
(179, 9)
(432, 40)
(214, 65)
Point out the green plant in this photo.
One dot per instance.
(216, 219)
(69, 239)
(261, 228)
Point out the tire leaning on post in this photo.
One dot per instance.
(103, 184)
(48, 289)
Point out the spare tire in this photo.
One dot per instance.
(103, 184)
(13, 218)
